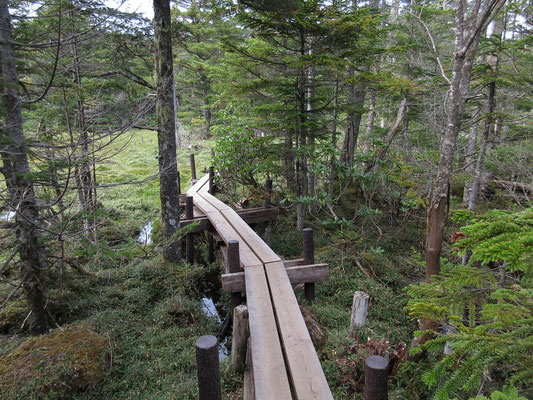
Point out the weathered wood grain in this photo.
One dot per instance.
(235, 282)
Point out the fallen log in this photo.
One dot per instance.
(526, 188)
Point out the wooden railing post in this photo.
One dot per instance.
(210, 246)
(234, 265)
(178, 182)
(241, 332)
(208, 367)
(376, 375)
(309, 258)
(211, 180)
(189, 239)
(193, 167)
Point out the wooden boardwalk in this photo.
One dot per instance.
(284, 362)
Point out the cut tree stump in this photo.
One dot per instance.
(359, 312)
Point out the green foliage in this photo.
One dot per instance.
(508, 394)
(501, 235)
(485, 307)
(241, 156)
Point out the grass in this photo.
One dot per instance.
(150, 313)
(390, 270)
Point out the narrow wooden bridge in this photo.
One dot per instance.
(284, 362)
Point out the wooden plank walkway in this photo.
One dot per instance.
(285, 363)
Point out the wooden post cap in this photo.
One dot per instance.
(376, 362)
(206, 342)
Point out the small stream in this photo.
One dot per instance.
(209, 309)
(145, 235)
(210, 292)
(7, 216)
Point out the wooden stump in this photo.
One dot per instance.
(241, 333)
(376, 375)
(208, 368)
(359, 312)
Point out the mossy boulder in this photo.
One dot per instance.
(55, 365)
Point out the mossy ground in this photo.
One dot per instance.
(150, 313)
(70, 360)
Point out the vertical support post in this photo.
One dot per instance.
(189, 240)
(208, 367)
(376, 375)
(178, 182)
(193, 167)
(210, 247)
(359, 312)
(267, 233)
(309, 258)
(211, 180)
(234, 265)
(241, 332)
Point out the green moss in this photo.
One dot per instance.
(55, 365)
(12, 315)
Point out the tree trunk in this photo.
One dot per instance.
(84, 178)
(333, 140)
(467, 35)
(355, 99)
(168, 172)
(390, 135)
(288, 161)
(301, 166)
(31, 250)
(311, 178)
(207, 115)
(492, 61)
(469, 160)
(176, 125)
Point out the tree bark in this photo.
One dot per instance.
(468, 34)
(469, 160)
(333, 140)
(83, 178)
(468, 31)
(390, 136)
(355, 99)
(31, 250)
(492, 61)
(168, 172)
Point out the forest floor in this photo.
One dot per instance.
(151, 312)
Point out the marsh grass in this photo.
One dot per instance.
(148, 311)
